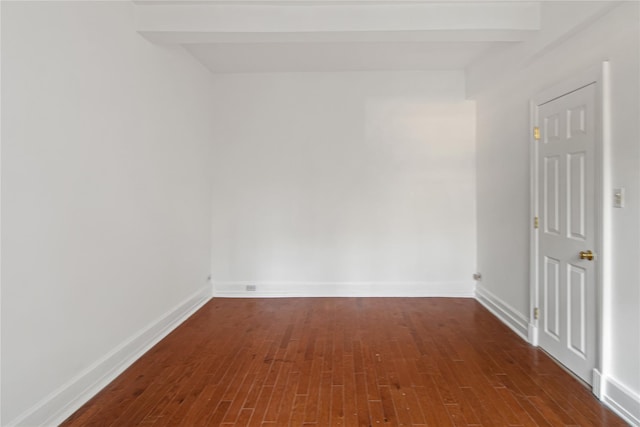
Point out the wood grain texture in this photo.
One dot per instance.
(358, 362)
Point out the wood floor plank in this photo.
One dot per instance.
(313, 396)
(433, 408)
(238, 401)
(262, 404)
(458, 418)
(522, 416)
(218, 413)
(370, 376)
(365, 362)
(362, 403)
(376, 413)
(324, 403)
(413, 406)
(288, 399)
(297, 413)
(174, 412)
(448, 381)
(278, 394)
(337, 405)
(388, 408)
(529, 407)
(350, 393)
(201, 409)
(243, 418)
(402, 409)
(251, 399)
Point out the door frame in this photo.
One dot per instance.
(598, 75)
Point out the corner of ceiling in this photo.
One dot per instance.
(559, 21)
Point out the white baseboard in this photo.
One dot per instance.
(64, 401)
(532, 335)
(596, 384)
(622, 401)
(503, 311)
(343, 289)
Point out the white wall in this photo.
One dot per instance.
(106, 212)
(503, 178)
(344, 183)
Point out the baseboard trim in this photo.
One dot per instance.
(511, 317)
(533, 335)
(622, 401)
(596, 384)
(64, 401)
(343, 289)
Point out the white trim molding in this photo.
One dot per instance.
(68, 398)
(532, 335)
(596, 384)
(503, 311)
(621, 400)
(263, 289)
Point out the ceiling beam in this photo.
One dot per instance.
(213, 22)
(465, 36)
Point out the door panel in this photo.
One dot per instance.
(551, 128)
(577, 121)
(551, 218)
(566, 202)
(577, 316)
(552, 298)
(576, 200)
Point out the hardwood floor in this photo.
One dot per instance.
(344, 362)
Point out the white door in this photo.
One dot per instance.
(566, 193)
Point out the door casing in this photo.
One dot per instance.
(598, 75)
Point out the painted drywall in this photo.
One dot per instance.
(503, 176)
(327, 180)
(106, 190)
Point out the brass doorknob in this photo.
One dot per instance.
(588, 255)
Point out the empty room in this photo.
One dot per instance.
(320, 213)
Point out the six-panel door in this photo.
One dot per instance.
(566, 185)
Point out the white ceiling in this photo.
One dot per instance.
(251, 36)
(338, 56)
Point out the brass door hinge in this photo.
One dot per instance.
(536, 133)
(536, 222)
(536, 313)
